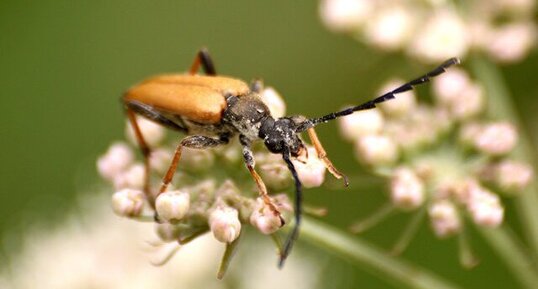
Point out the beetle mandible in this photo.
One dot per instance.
(212, 109)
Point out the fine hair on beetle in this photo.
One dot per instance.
(211, 109)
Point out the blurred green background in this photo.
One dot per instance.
(64, 65)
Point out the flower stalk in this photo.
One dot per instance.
(370, 258)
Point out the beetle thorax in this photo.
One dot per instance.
(280, 135)
(246, 114)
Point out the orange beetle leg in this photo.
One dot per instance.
(322, 155)
(146, 152)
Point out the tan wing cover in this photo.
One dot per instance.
(197, 98)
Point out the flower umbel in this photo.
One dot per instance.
(435, 30)
(211, 190)
(445, 157)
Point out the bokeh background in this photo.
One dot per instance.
(64, 65)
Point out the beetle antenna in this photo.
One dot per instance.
(387, 96)
(292, 236)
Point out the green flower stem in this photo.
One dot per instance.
(502, 241)
(370, 258)
(500, 105)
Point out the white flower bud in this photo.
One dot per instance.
(444, 218)
(485, 208)
(444, 35)
(361, 123)
(128, 202)
(513, 176)
(274, 101)
(345, 15)
(402, 104)
(496, 138)
(172, 205)
(377, 150)
(264, 219)
(153, 133)
(407, 190)
(312, 172)
(115, 160)
(132, 178)
(225, 225)
(390, 28)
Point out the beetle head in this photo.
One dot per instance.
(282, 133)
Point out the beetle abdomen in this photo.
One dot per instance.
(222, 84)
(193, 97)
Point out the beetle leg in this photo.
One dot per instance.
(249, 161)
(195, 142)
(322, 155)
(204, 59)
(146, 152)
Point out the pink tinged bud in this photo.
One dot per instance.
(485, 208)
(361, 123)
(274, 101)
(225, 225)
(128, 202)
(118, 157)
(153, 133)
(172, 205)
(132, 178)
(345, 15)
(496, 138)
(312, 172)
(402, 104)
(512, 42)
(450, 85)
(444, 218)
(513, 176)
(407, 190)
(377, 150)
(264, 219)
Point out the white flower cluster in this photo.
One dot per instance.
(443, 156)
(436, 30)
(211, 190)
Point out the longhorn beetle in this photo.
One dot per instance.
(211, 109)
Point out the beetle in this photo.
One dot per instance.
(211, 109)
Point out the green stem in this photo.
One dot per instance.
(370, 258)
(515, 257)
(501, 106)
